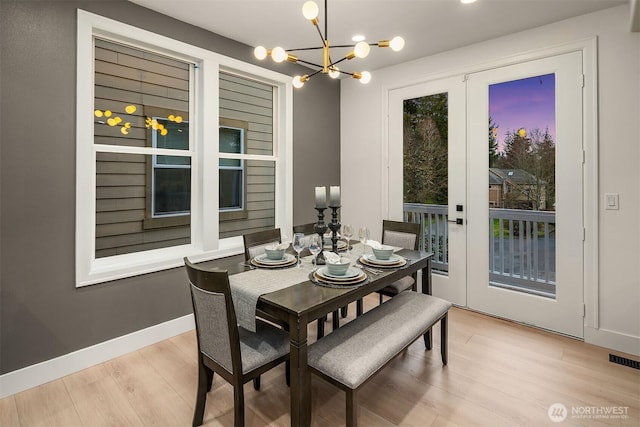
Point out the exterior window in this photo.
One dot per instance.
(150, 187)
(171, 178)
(231, 140)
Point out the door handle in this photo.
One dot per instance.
(458, 221)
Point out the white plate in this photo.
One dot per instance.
(263, 259)
(351, 273)
(393, 259)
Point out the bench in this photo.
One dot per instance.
(351, 355)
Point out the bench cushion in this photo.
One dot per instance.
(356, 351)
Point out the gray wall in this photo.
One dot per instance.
(42, 314)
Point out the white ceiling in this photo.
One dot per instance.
(428, 26)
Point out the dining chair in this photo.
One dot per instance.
(254, 243)
(405, 235)
(225, 348)
(309, 230)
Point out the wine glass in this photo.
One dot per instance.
(315, 246)
(363, 233)
(347, 232)
(298, 245)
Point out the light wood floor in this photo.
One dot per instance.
(499, 374)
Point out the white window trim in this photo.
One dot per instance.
(205, 243)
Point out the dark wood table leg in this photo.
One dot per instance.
(426, 289)
(300, 382)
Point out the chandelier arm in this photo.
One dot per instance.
(310, 63)
(314, 73)
(326, 21)
(324, 40)
(305, 48)
(339, 61)
(346, 45)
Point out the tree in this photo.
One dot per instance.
(517, 151)
(425, 133)
(533, 153)
(494, 156)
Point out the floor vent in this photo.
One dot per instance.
(624, 361)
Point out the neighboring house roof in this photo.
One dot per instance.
(514, 176)
(494, 179)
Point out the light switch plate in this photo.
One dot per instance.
(612, 201)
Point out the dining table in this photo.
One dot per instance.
(304, 301)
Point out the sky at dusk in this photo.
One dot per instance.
(528, 103)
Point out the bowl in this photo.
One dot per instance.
(384, 253)
(274, 254)
(338, 269)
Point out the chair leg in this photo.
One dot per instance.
(321, 327)
(352, 408)
(238, 406)
(201, 393)
(336, 319)
(209, 379)
(428, 342)
(359, 307)
(443, 339)
(256, 383)
(344, 311)
(380, 298)
(287, 372)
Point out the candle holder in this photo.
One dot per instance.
(320, 227)
(334, 226)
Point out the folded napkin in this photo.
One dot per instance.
(276, 247)
(374, 244)
(331, 257)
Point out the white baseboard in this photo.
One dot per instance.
(614, 340)
(49, 370)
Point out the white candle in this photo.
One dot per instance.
(321, 197)
(334, 196)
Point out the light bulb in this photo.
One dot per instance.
(260, 52)
(397, 43)
(361, 49)
(278, 54)
(334, 72)
(467, 1)
(366, 77)
(310, 10)
(297, 83)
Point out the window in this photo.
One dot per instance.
(171, 175)
(179, 152)
(231, 140)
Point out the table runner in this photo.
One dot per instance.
(247, 287)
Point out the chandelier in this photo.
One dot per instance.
(329, 66)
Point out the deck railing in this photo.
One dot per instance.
(435, 233)
(521, 245)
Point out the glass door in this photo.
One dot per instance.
(427, 175)
(525, 217)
